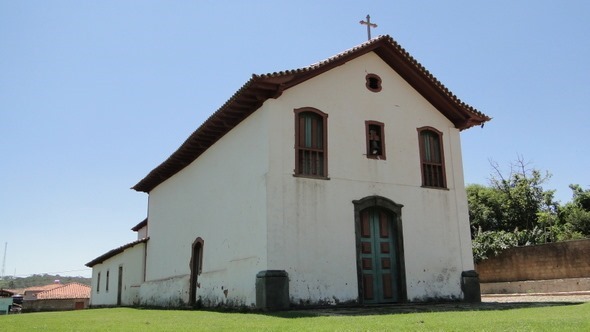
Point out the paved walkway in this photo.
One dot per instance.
(489, 302)
(537, 297)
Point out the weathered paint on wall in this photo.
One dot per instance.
(242, 199)
(314, 238)
(132, 260)
(221, 198)
(169, 292)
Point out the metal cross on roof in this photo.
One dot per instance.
(369, 25)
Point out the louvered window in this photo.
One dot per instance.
(432, 158)
(311, 143)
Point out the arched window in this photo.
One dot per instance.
(432, 158)
(196, 267)
(311, 142)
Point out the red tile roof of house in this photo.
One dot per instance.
(68, 291)
(262, 87)
(42, 288)
(6, 292)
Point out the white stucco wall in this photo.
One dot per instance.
(132, 261)
(221, 198)
(242, 199)
(314, 239)
(142, 232)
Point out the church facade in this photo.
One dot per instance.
(342, 181)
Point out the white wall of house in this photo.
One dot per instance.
(132, 261)
(221, 198)
(314, 239)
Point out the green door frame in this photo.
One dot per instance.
(394, 210)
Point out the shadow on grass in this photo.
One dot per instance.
(407, 308)
(388, 309)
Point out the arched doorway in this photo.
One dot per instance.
(379, 247)
(196, 266)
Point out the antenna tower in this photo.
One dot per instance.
(4, 260)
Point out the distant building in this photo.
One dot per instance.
(56, 297)
(30, 293)
(5, 301)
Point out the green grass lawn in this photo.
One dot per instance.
(573, 317)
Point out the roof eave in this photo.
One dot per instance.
(114, 252)
(262, 87)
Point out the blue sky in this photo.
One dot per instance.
(95, 94)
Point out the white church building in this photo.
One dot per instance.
(336, 183)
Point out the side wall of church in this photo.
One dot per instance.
(220, 198)
(311, 221)
(105, 293)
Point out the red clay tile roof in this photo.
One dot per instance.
(42, 288)
(115, 251)
(6, 292)
(73, 290)
(262, 87)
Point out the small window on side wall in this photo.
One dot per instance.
(373, 82)
(375, 137)
(98, 283)
(432, 158)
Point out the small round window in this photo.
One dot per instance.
(373, 82)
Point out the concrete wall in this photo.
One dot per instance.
(311, 222)
(132, 260)
(221, 198)
(548, 261)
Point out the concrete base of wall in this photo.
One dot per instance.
(537, 286)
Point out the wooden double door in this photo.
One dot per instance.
(379, 257)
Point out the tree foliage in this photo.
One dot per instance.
(577, 212)
(515, 210)
(39, 280)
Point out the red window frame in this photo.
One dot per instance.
(311, 143)
(375, 139)
(432, 159)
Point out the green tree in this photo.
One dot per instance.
(523, 196)
(485, 208)
(513, 210)
(511, 202)
(576, 213)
